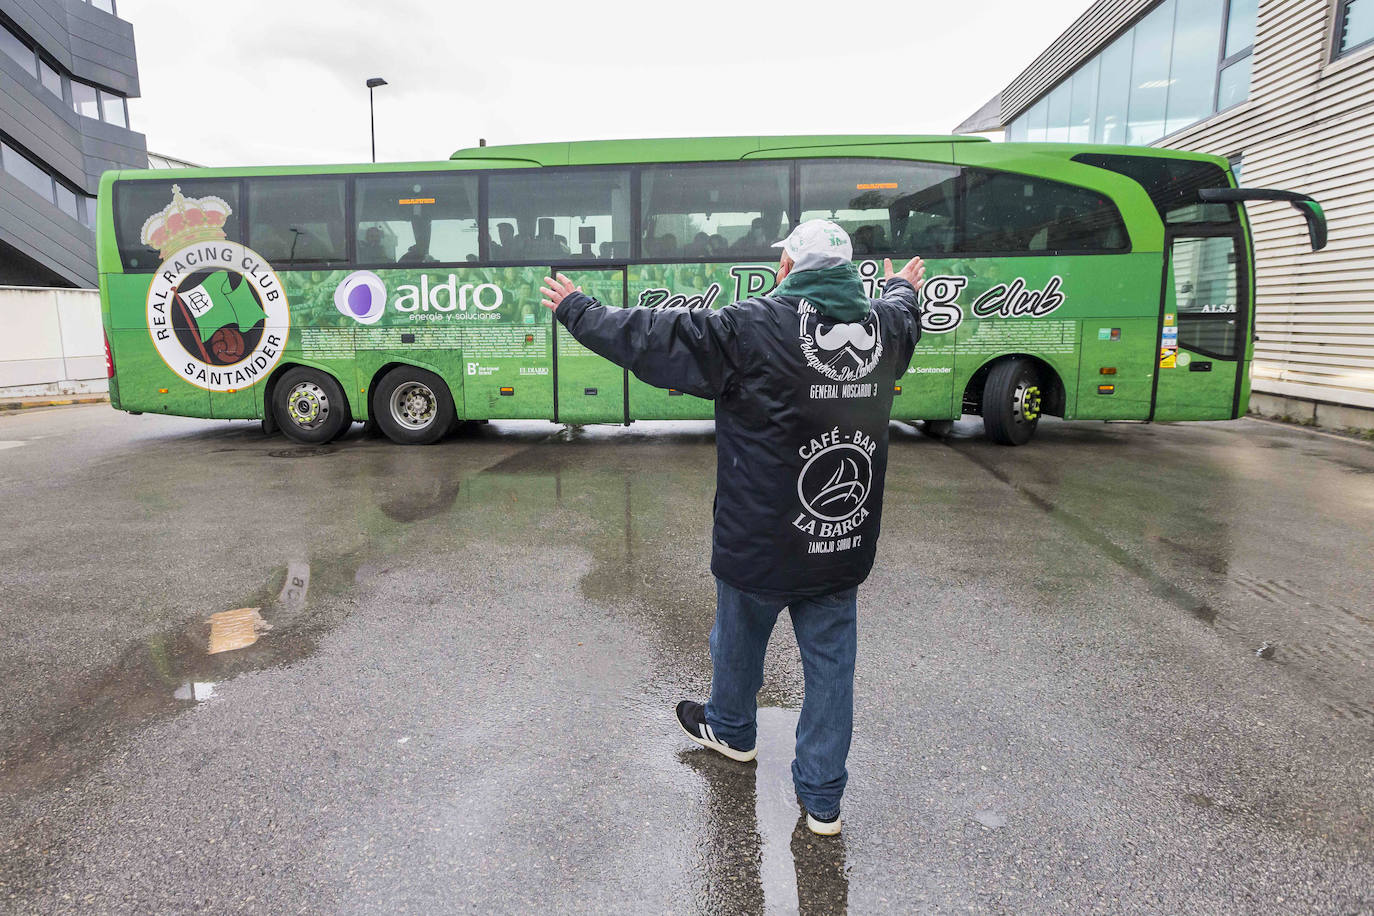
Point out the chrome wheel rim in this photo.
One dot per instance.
(307, 405)
(413, 405)
(1025, 403)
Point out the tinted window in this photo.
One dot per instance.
(885, 206)
(84, 100)
(1015, 213)
(66, 200)
(544, 215)
(1150, 75)
(19, 52)
(416, 219)
(1192, 70)
(1171, 183)
(297, 220)
(31, 174)
(113, 108)
(714, 212)
(52, 80)
(136, 202)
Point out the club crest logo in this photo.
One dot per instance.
(217, 312)
(843, 352)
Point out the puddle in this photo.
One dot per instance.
(758, 855)
(163, 673)
(305, 451)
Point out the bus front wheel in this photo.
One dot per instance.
(310, 406)
(413, 406)
(1011, 402)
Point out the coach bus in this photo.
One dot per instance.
(1085, 282)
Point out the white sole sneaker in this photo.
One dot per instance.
(707, 738)
(822, 828)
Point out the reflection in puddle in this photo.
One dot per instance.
(771, 863)
(199, 691)
(230, 630)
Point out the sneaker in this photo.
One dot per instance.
(823, 828)
(692, 717)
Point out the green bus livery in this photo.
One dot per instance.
(1086, 282)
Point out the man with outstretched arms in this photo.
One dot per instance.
(802, 380)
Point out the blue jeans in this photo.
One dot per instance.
(827, 633)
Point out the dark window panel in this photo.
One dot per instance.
(732, 211)
(136, 201)
(20, 52)
(418, 218)
(886, 206)
(296, 221)
(1018, 214)
(541, 216)
(34, 176)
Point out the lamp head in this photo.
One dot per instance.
(375, 81)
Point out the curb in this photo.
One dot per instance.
(26, 403)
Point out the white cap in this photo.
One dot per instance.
(817, 244)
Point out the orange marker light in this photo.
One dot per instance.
(507, 391)
(1106, 389)
(1108, 370)
(896, 389)
(162, 391)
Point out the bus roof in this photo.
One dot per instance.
(701, 149)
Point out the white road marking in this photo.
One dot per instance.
(11, 443)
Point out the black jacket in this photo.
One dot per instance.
(802, 406)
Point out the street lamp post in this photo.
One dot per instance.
(373, 83)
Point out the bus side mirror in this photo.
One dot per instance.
(1309, 208)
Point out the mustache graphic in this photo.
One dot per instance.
(858, 336)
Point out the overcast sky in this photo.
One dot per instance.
(228, 82)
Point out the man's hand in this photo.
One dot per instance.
(914, 272)
(555, 291)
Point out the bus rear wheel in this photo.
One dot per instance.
(310, 407)
(1012, 402)
(413, 406)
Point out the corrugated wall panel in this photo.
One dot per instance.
(1308, 126)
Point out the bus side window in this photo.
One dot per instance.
(200, 201)
(1008, 213)
(887, 206)
(546, 215)
(421, 218)
(297, 220)
(731, 211)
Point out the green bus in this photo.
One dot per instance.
(1085, 282)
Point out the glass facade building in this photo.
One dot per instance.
(1178, 64)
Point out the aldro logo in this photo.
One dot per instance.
(833, 487)
(843, 352)
(217, 312)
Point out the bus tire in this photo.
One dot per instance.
(309, 406)
(413, 406)
(1011, 402)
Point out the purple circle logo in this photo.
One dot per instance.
(361, 296)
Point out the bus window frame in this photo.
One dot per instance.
(635, 256)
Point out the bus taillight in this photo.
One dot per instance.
(109, 359)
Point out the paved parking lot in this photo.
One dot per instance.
(455, 691)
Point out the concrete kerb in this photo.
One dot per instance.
(27, 403)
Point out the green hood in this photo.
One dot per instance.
(834, 292)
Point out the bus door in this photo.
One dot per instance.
(588, 388)
(1203, 322)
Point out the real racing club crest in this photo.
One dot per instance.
(844, 352)
(217, 312)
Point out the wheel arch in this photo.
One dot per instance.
(269, 387)
(386, 367)
(1054, 394)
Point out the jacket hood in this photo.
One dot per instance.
(835, 292)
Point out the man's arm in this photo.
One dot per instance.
(692, 350)
(901, 289)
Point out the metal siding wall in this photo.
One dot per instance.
(1080, 41)
(94, 46)
(1308, 126)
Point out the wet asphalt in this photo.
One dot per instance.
(463, 702)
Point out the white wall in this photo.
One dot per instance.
(51, 342)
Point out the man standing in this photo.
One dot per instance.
(803, 381)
